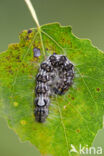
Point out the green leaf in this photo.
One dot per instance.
(75, 117)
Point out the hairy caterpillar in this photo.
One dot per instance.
(55, 76)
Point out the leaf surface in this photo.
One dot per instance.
(75, 117)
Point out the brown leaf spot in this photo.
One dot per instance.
(69, 96)
(98, 89)
(78, 130)
(72, 98)
(11, 72)
(23, 122)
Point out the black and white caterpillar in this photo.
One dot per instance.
(55, 76)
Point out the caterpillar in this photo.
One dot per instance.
(55, 76)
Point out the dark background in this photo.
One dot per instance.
(87, 20)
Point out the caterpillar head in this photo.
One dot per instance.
(41, 109)
(41, 113)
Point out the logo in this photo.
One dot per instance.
(86, 150)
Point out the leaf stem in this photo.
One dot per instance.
(33, 13)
